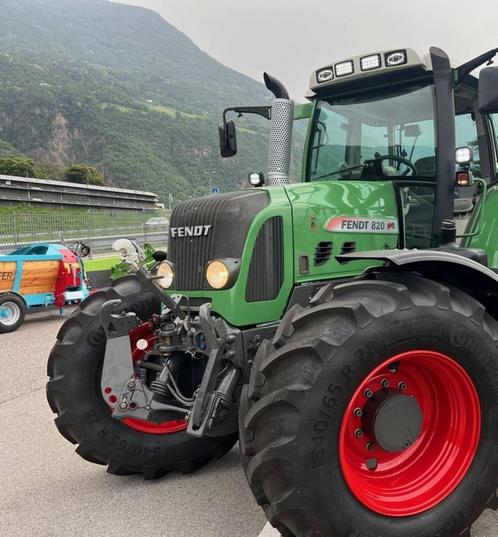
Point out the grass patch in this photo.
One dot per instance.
(106, 263)
(172, 112)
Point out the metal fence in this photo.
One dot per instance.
(97, 228)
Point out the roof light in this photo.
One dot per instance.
(344, 68)
(397, 57)
(325, 75)
(464, 156)
(370, 62)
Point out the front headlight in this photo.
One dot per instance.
(217, 274)
(165, 275)
(222, 273)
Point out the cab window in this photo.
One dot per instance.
(375, 136)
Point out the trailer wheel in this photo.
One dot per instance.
(12, 313)
(375, 412)
(84, 417)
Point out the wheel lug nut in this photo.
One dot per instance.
(402, 386)
(372, 464)
(131, 384)
(358, 412)
(368, 393)
(370, 446)
(385, 383)
(358, 433)
(123, 405)
(407, 445)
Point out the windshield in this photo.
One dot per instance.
(375, 137)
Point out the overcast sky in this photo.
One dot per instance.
(291, 38)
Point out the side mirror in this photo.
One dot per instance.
(228, 139)
(488, 91)
(413, 131)
(256, 179)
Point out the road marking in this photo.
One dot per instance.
(268, 531)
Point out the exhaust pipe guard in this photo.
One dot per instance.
(282, 119)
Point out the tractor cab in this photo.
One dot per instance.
(397, 144)
(377, 118)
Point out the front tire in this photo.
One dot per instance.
(84, 418)
(400, 350)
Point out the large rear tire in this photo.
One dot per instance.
(84, 418)
(375, 413)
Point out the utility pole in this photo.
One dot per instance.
(211, 179)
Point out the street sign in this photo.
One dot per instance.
(215, 190)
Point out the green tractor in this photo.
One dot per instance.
(344, 328)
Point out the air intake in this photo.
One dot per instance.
(348, 248)
(323, 252)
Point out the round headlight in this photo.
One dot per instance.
(217, 274)
(165, 275)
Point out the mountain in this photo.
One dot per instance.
(118, 87)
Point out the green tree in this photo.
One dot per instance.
(18, 166)
(8, 150)
(84, 174)
(52, 171)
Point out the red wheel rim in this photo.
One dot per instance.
(415, 479)
(145, 332)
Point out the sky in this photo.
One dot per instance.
(291, 38)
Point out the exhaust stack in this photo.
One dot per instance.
(282, 119)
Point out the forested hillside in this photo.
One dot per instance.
(118, 87)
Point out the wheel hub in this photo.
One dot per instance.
(410, 433)
(9, 313)
(393, 420)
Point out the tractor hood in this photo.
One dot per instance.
(214, 227)
(250, 230)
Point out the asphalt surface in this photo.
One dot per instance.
(49, 491)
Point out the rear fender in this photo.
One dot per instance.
(452, 269)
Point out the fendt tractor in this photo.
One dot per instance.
(344, 328)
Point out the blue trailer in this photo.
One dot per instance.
(39, 275)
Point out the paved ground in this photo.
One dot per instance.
(48, 491)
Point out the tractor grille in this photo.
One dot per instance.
(229, 215)
(266, 272)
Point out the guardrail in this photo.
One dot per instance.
(97, 228)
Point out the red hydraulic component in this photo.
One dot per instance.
(141, 340)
